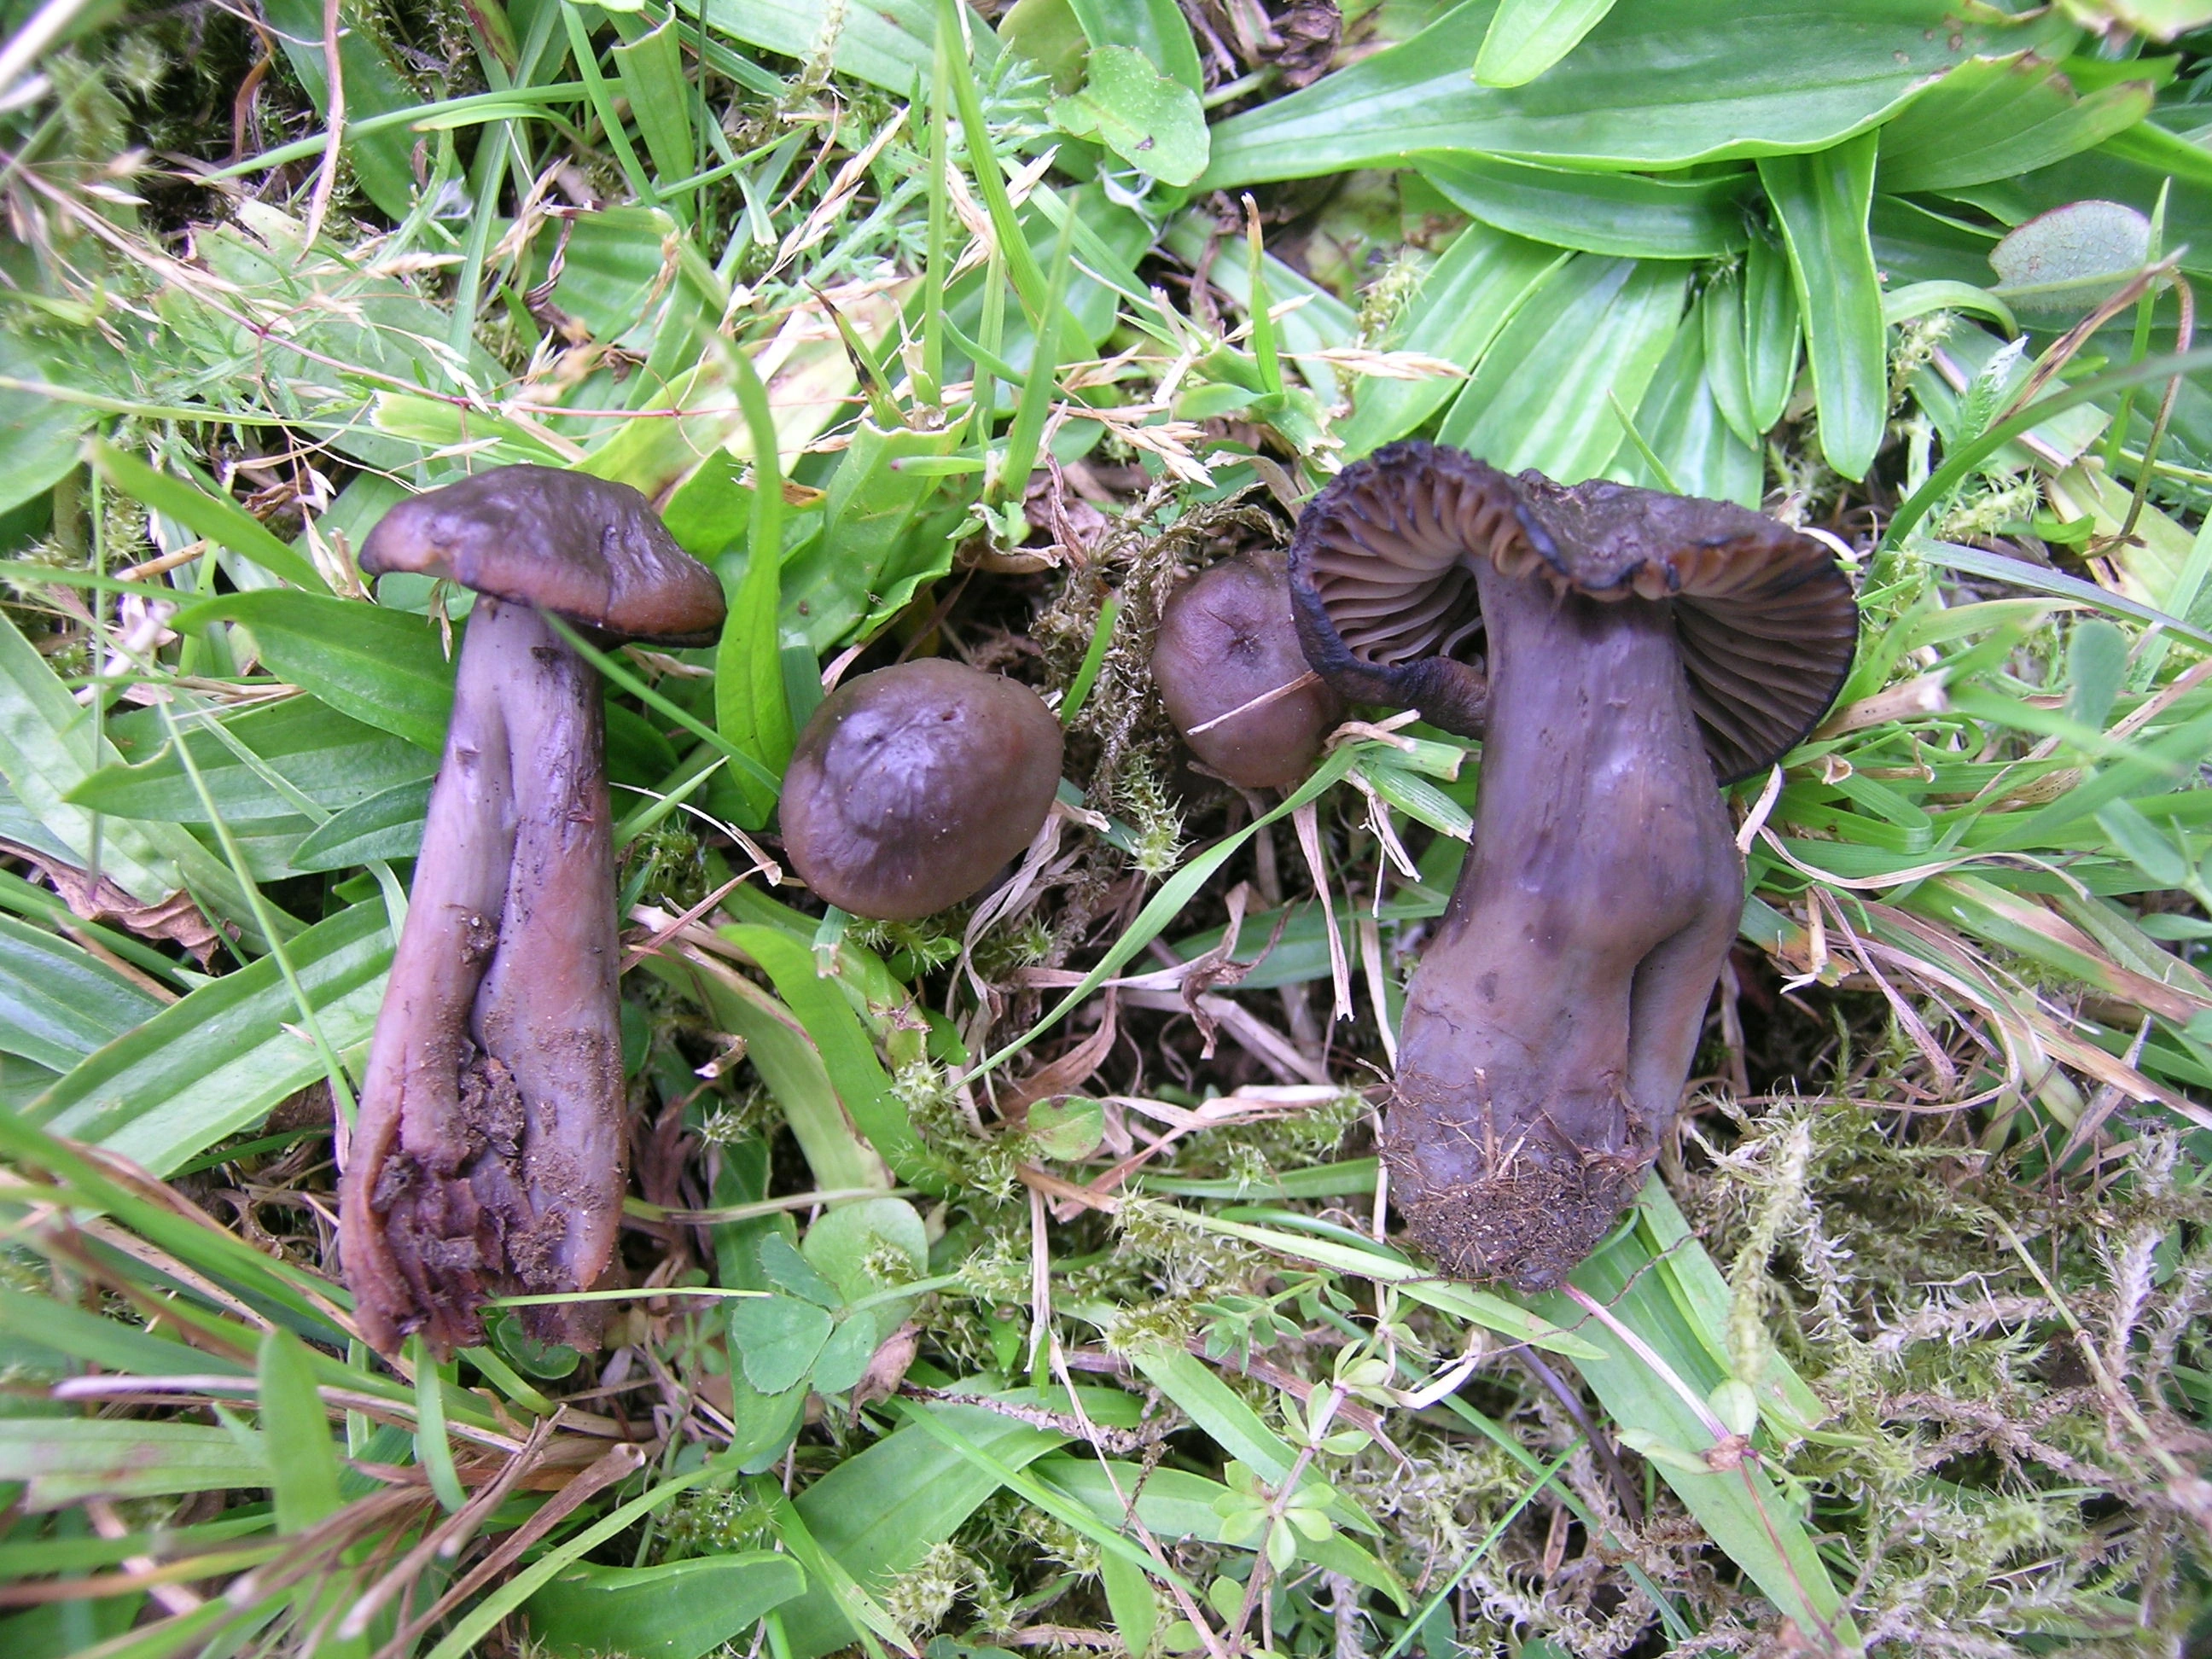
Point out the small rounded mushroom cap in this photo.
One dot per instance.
(583, 547)
(1382, 574)
(1227, 638)
(914, 785)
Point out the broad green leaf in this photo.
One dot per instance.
(878, 1513)
(679, 1610)
(785, 1055)
(847, 1056)
(1481, 279)
(387, 825)
(1822, 202)
(1656, 84)
(1543, 396)
(1527, 37)
(35, 1327)
(297, 1433)
(57, 1001)
(1994, 119)
(382, 160)
(613, 266)
(467, 1634)
(1155, 27)
(1619, 213)
(777, 1338)
(1149, 119)
(1772, 332)
(2151, 850)
(1175, 1504)
(885, 531)
(1695, 1280)
(216, 517)
(1720, 316)
(1740, 1509)
(431, 425)
(384, 668)
(48, 747)
(783, 1266)
(752, 710)
(2067, 262)
(2096, 668)
(330, 760)
(1215, 1407)
(1050, 36)
(38, 443)
(1070, 1128)
(886, 43)
(844, 1358)
(1681, 419)
(220, 1060)
(850, 1235)
(652, 71)
(2134, 168)
(65, 1460)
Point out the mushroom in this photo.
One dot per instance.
(487, 1156)
(912, 786)
(1622, 653)
(1236, 683)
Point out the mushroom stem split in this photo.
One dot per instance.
(1548, 1031)
(489, 1148)
(488, 1158)
(1621, 652)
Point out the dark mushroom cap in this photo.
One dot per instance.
(1225, 638)
(1381, 576)
(584, 549)
(912, 786)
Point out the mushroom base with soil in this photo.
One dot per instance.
(488, 1158)
(1550, 1025)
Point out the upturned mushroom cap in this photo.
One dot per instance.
(1382, 574)
(1227, 638)
(912, 786)
(586, 548)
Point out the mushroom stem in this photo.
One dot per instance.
(487, 1159)
(1550, 1025)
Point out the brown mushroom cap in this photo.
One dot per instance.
(1227, 638)
(586, 548)
(912, 786)
(1382, 574)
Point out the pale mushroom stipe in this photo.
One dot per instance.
(1622, 653)
(488, 1158)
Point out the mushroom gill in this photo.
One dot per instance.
(1638, 650)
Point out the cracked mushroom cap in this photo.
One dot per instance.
(587, 550)
(1383, 576)
(911, 787)
(1227, 640)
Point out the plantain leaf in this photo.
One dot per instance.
(1527, 37)
(1543, 398)
(1994, 119)
(1620, 213)
(386, 668)
(1482, 278)
(1823, 201)
(1657, 84)
(217, 1062)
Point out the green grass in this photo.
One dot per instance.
(1047, 1310)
